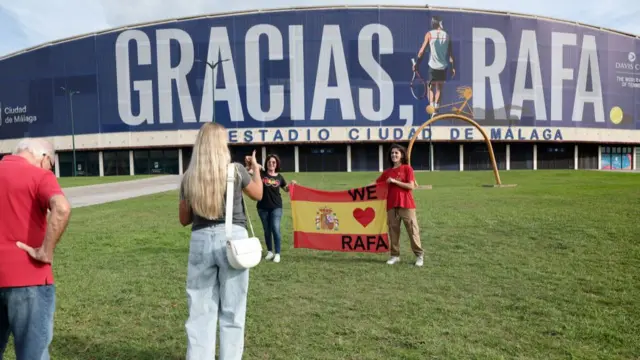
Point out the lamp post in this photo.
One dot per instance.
(213, 83)
(73, 132)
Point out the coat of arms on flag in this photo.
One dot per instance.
(352, 220)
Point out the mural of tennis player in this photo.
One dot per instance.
(440, 54)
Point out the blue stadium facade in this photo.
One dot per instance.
(328, 89)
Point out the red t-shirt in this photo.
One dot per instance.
(397, 196)
(25, 191)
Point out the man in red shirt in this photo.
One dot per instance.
(401, 206)
(28, 237)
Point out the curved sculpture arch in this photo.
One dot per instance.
(468, 120)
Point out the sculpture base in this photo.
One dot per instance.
(500, 186)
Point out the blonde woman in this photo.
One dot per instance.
(216, 292)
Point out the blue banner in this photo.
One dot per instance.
(324, 68)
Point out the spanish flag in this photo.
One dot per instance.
(353, 220)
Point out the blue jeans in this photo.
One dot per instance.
(271, 225)
(27, 313)
(215, 292)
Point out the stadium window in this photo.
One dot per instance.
(87, 163)
(141, 162)
(116, 162)
(323, 158)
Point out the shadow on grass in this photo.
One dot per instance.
(347, 259)
(67, 346)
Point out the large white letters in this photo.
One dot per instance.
(167, 74)
(588, 58)
(296, 71)
(482, 71)
(252, 56)
(558, 72)
(175, 63)
(123, 78)
(219, 49)
(528, 56)
(377, 73)
(331, 48)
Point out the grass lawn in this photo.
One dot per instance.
(67, 182)
(546, 270)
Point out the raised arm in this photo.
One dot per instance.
(252, 184)
(285, 185)
(451, 58)
(425, 44)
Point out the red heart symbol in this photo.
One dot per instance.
(364, 217)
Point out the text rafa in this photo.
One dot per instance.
(364, 243)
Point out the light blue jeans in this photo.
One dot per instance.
(27, 313)
(215, 292)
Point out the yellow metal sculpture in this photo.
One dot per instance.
(458, 113)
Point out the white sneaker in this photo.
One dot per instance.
(420, 261)
(276, 259)
(393, 260)
(269, 256)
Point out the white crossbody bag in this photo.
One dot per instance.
(241, 253)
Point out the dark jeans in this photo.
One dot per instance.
(271, 225)
(27, 312)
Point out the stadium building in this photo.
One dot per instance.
(329, 89)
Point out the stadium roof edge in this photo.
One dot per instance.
(307, 8)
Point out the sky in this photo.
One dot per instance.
(27, 23)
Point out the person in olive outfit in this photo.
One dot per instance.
(270, 207)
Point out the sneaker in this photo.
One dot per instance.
(420, 260)
(269, 256)
(393, 260)
(276, 259)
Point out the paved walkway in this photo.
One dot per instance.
(80, 196)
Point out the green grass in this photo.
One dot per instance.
(546, 270)
(67, 182)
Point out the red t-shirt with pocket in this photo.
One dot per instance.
(397, 196)
(25, 191)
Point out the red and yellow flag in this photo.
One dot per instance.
(352, 220)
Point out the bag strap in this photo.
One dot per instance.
(231, 172)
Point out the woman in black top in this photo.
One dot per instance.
(270, 207)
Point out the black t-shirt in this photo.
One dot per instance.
(271, 185)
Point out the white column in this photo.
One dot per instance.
(634, 157)
(599, 157)
(461, 152)
(180, 161)
(101, 162)
(508, 151)
(57, 160)
(264, 155)
(575, 157)
(432, 163)
(535, 156)
(296, 158)
(132, 171)
(380, 158)
(348, 158)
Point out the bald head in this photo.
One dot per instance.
(35, 150)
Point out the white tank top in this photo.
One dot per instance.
(439, 49)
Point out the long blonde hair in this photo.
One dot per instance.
(205, 181)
